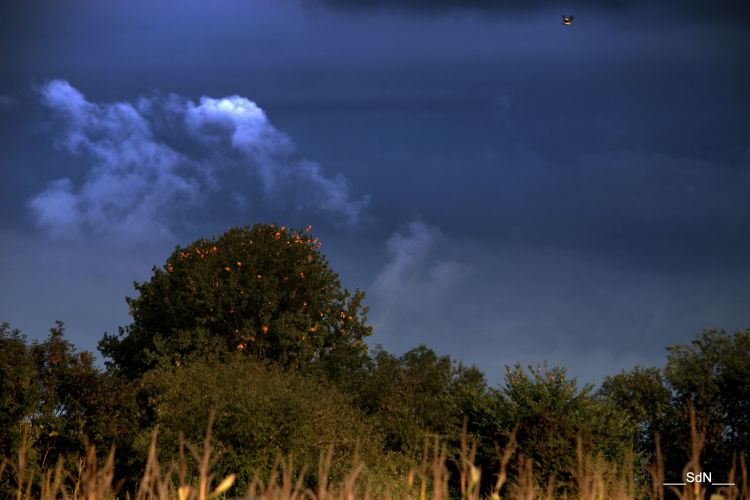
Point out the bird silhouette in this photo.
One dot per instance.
(567, 20)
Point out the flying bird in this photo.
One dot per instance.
(567, 20)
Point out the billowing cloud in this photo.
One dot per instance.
(134, 181)
(139, 185)
(56, 209)
(246, 126)
(519, 303)
(330, 194)
(249, 131)
(419, 277)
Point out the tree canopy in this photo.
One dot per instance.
(711, 376)
(255, 326)
(53, 399)
(553, 413)
(262, 412)
(266, 291)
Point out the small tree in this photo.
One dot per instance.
(266, 291)
(56, 396)
(712, 374)
(553, 414)
(422, 395)
(18, 392)
(644, 395)
(646, 398)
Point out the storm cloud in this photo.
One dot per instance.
(581, 190)
(695, 8)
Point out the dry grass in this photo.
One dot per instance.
(594, 479)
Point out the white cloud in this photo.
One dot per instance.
(56, 209)
(134, 181)
(137, 185)
(418, 276)
(331, 195)
(248, 129)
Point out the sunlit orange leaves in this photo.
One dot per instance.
(248, 280)
(201, 252)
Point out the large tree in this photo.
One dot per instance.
(266, 291)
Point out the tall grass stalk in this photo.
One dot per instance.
(594, 478)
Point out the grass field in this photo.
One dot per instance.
(192, 478)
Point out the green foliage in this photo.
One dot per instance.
(67, 383)
(646, 398)
(421, 395)
(712, 375)
(266, 291)
(255, 326)
(263, 413)
(553, 413)
(409, 397)
(61, 400)
(488, 419)
(18, 391)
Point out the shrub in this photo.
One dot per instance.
(262, 412)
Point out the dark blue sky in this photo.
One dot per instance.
(503, 187)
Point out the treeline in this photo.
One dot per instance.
(255, 326)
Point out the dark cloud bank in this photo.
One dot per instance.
(723, 9)
(504, 188)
